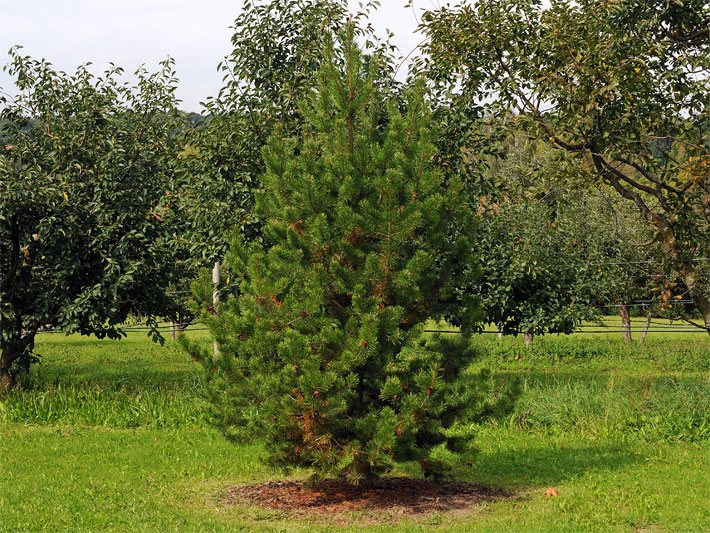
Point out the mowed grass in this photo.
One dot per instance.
(113, 435)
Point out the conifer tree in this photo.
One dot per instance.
(323, 355)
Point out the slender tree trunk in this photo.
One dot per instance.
(705, 312)
(8, 357)
(15, 358)
(529, 335)
(625, 322)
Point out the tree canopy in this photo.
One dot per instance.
(622, 85)
(86, 177)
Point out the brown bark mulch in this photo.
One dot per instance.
(401, 495)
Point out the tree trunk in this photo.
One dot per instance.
(697, 293)
(9, 355)
(625, 322)
(7, 380)
(15, 358)
(707, 322)
(529, 335)
(705, 312)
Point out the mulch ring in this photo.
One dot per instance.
(400, 495)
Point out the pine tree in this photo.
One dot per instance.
(323, 354)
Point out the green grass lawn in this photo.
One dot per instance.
(114, 436)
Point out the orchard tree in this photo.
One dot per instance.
(552, 250)
(85, 180)
(622, 85)
(533, 276)
(533, 268)
(628, 264)
(556, 248)
(324, 354)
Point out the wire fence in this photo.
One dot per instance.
(595, 329)
(146, 329)
(652, 326)
(584, 331)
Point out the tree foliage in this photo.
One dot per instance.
(535, 273)
(550, 248)
(85, 180)
(623, 85)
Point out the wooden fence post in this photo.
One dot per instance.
(215, 297)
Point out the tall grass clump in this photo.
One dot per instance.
(71, 405)
(113, 384)
(669, 353)
(666, 409)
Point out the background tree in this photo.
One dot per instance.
(623, 85)
(630, 273)
(324, 353)
(542, 253)
(533, 276)
(554, 247)
(85, 175)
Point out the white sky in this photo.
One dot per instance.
(134, 32)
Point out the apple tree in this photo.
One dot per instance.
(623, 86)
(85, 182)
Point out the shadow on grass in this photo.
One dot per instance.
(524, 466)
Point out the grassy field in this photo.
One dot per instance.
(113, 436)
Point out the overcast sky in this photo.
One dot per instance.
(133, 32)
